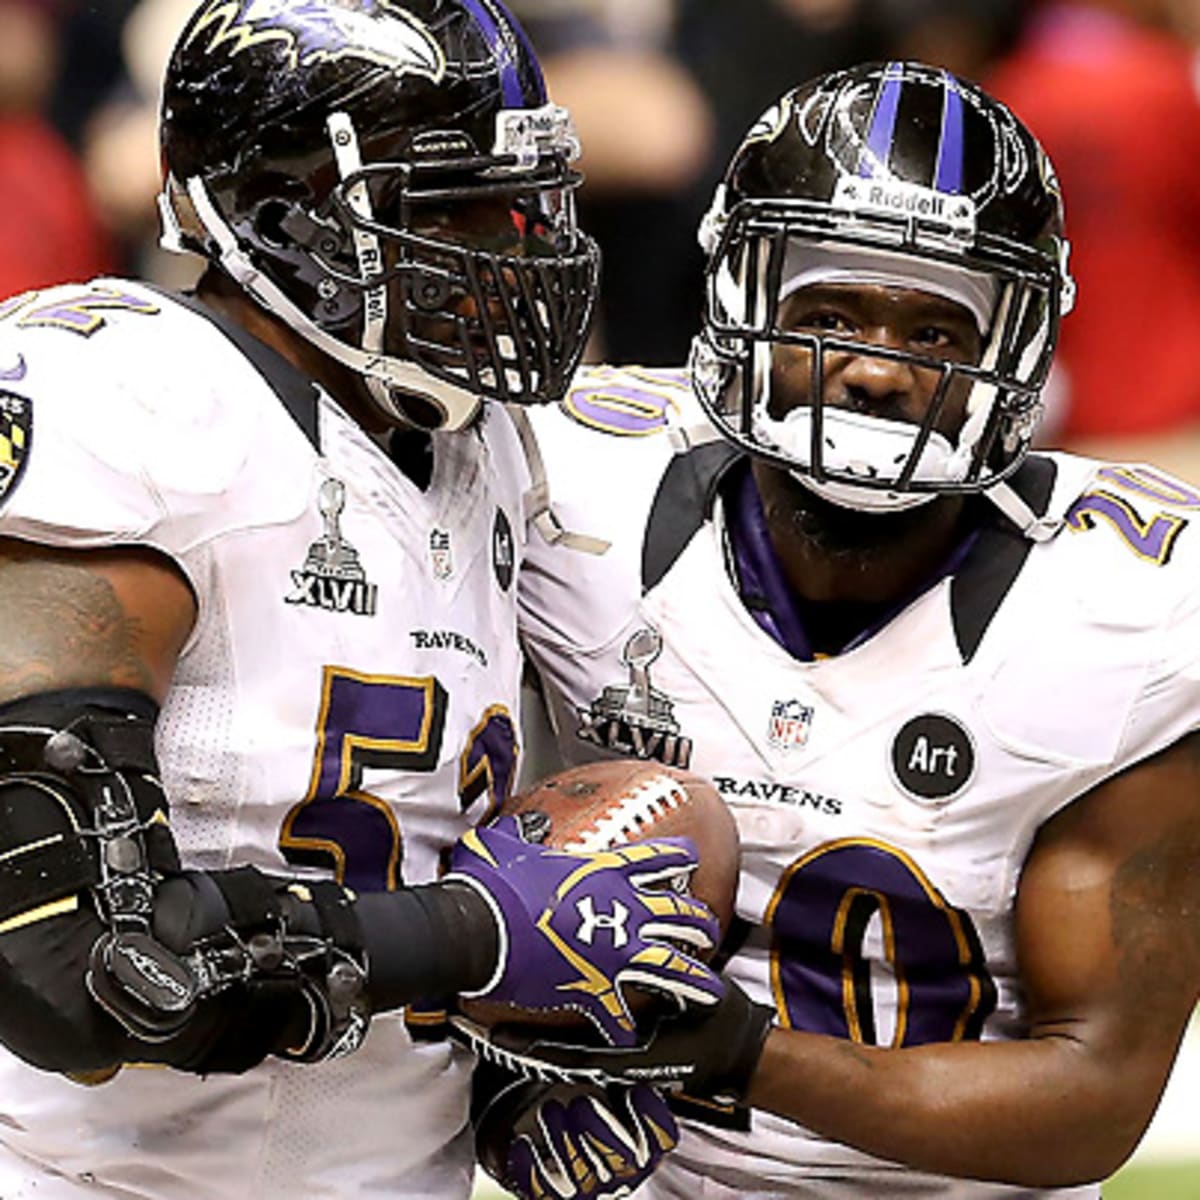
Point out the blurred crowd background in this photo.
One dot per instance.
(661, 91)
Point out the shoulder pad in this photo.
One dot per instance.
(148, 409)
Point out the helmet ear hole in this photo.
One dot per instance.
(269, 219)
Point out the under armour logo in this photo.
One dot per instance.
(591, 920)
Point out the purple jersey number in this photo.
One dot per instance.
(392, 723)
(821, 972)
(489, 762)
(1150, 538)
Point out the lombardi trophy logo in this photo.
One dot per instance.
(637, 720)
(332, 577)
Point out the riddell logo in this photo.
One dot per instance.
(879, 196)
(905, 199)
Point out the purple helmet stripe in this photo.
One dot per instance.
(517, 28)
(949, 174)
(499, 27)
(883, 123)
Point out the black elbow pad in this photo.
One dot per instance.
(63, 755)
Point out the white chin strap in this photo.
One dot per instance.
(871, 448)
(367, 250)
(384, 374)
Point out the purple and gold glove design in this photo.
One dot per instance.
(591, 1145)
(577, 930)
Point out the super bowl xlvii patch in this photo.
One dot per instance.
(636, 720)
(933, 758)
(16, 436)
(332, 578)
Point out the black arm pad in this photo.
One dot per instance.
(83, 830)
(85, 845)
(283, 943)
(47, 1015)
(78, 749)
(426, 943)
(109, 952)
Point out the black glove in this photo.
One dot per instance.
(709, 1054)
(66, 1010)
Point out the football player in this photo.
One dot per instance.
(258, 659)
(948, 687)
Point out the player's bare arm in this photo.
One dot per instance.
(111, 618)
(1109, 943)
(91, 644)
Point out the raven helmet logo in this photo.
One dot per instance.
(315, 32)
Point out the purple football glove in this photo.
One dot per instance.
(577, 929)
(592, 1145)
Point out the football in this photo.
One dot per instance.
(602, 804)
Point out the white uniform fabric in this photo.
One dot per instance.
(355, 648)
(886, 797)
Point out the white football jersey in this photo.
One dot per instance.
(886, 797)
(346, 704)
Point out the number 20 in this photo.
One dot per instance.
(1151, 539)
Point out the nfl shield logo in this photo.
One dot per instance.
(789, 725)
(439, 553)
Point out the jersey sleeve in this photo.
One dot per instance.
(1168, 707)
(603, 451)
(130, 421)
(1100, 666)
(1142, 606)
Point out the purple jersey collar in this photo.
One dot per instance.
(758, 574)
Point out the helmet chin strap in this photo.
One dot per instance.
(1035, 528)
(348, 156)
(856, 443)
(860, 499)
(867, 500)
(458, 405)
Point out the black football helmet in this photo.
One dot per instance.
(388, 178)
(901, 171)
